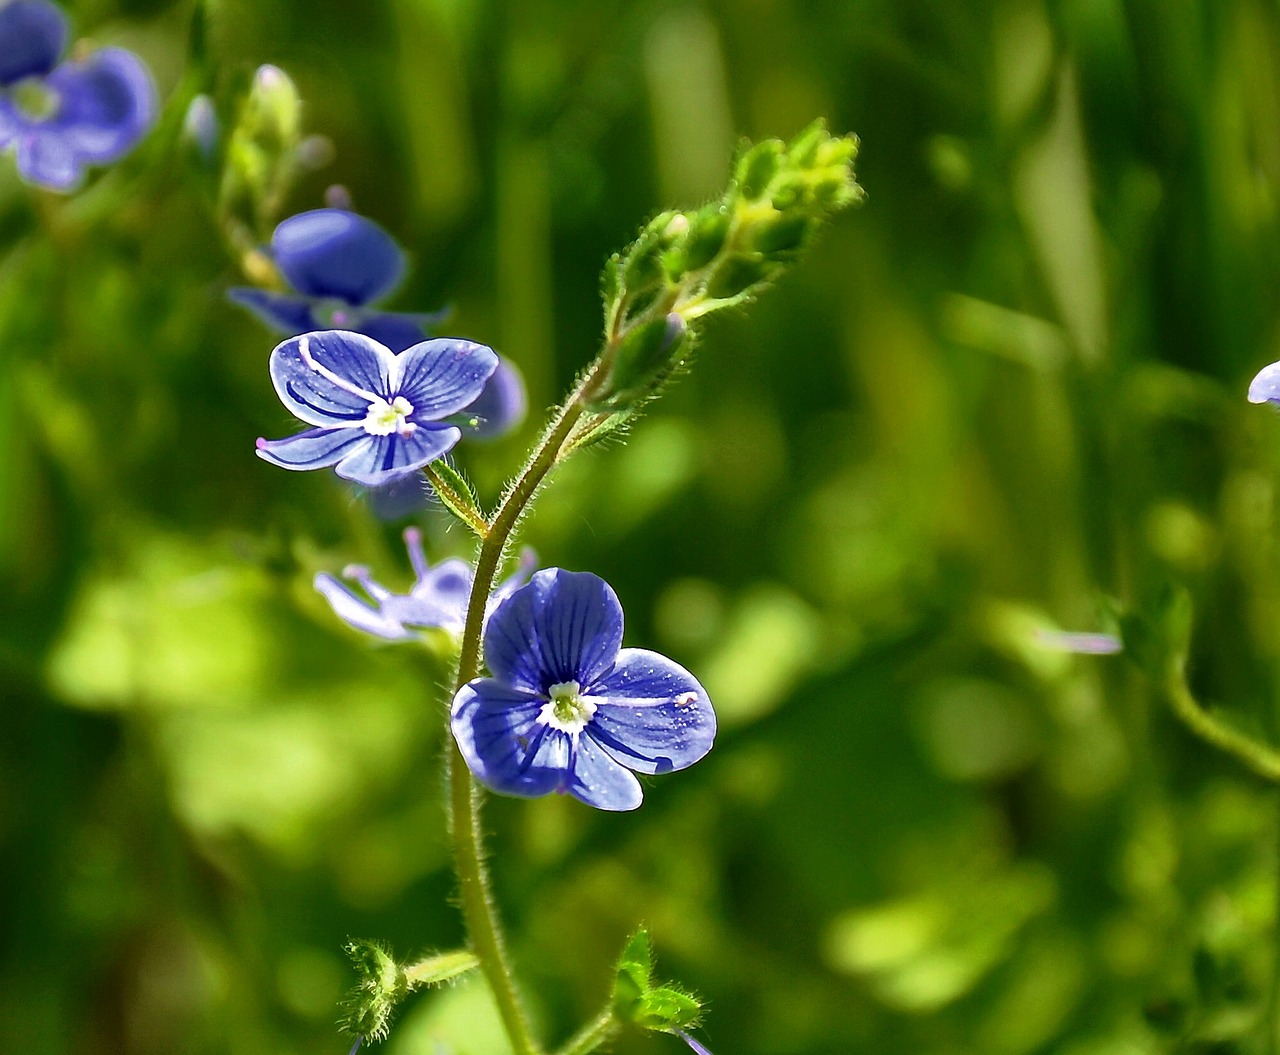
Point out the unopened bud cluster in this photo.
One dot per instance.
(685, 265)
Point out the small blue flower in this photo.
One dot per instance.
(567, 708)
(438, 597)
(378, 415)
(61, 118)
(341, 265)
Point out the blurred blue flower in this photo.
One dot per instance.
(567, 708)
(1265, 387)
(62, 117)
(438, 597)
(340, 265)
(376, 415)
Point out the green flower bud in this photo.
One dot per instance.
(638, 1001)
(707, 233)
(383, 984)
(757, 167)
(739, 274)
(644, 358)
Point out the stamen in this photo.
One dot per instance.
(417, 555)
(566, 710)
(304, 351)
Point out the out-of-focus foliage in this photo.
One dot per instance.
(1008, 387)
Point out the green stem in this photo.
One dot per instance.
(483, 926)
(1258, 758)
(592, 1035)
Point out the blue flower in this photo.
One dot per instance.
(376, 415)
(438, 597)
(340, 266)
(567, 708)
(60, 118)
(1265, 387)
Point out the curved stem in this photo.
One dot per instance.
(483, 926)
(1260, 759)
(592, 1035)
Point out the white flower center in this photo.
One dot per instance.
(385, 418)
(566, 710)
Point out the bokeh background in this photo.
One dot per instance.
(1007, 391)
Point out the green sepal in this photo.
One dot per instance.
(786, 234)
(642, 267)
(739, 275)
(611, 284)
(1159, 632)
(757, 167)
(638, 1001)
(708, 230)
(369, 1007)
(644, 359)
(456, 495)
(384, 983)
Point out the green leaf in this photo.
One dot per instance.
(456, 495)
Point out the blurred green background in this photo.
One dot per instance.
(1009, 387)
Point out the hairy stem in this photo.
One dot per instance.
(1260, 759)
(483, 926)
(592, 1035)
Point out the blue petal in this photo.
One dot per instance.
(442, 376)
(313, 449)
(48, 159)
(697, 1046)
(599, 781)
(439, 597)
(108, 103)
(654, 717)
(562, 626)
(335, 253)
(1265, 388)
(33, 35)
(502, 405)
(285, 314)
(397, 330)
(357, 612)
(383, 458)
(504, 745)
(363, 369)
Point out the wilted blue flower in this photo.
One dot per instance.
(377, 415)
(341, 265)
(438, 597)
(61, 118)
(567, 708)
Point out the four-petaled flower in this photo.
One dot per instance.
(62, 117)
(567, 708)
(377, 415)
(438, 597)
(340, 265)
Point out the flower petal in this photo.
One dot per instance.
(561, 626)
(384, 458)
(328, 377)
(654, 716)
(285, 314)
(313, 449)
(335, 253)
(599, 781)
(33, 36)
(503, 743)
(502, 404)
(1265, 387)
(397, 330)
(441, 376)
(48, 159)
(108, 102)
(357, 612)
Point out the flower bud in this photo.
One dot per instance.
(646, 355)
(200, 127)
